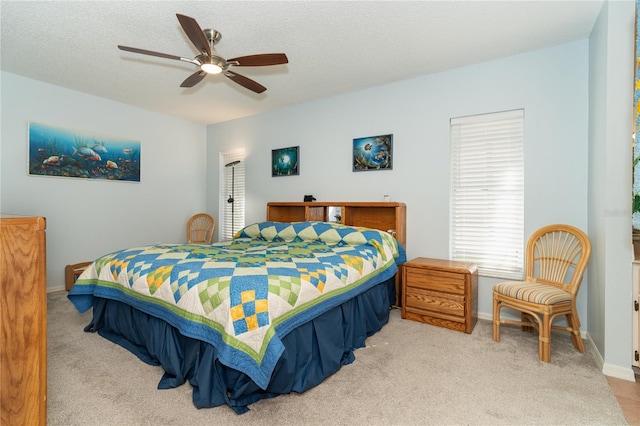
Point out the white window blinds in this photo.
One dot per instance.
(232, 177)
(487, 192)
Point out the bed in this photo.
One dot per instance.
(277, 309)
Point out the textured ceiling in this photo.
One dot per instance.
(333, 47)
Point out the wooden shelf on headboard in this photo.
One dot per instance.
(385, 216)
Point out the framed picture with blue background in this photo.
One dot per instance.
(373, 153)
(61, 152)
(285, 161)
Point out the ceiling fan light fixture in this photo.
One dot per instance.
(211, 68)
(211, 64)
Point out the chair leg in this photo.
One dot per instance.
(574, 323)
(496, 320)
(544, 345)
(526, 318)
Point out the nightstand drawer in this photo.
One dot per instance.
(449, 282)
(435, 302)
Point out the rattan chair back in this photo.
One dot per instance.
(558, 255)
(200, 229)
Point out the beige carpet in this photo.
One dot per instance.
(409, 374)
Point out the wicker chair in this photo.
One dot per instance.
(556, 258)
(200, 229)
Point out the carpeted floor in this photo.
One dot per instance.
(409, 374)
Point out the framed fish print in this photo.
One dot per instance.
(373, 153)
(55, 151)
(285, 161)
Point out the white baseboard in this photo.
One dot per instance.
(625, 373)
(53, 289)
(619, 372)
(591, 347)
(482, 315)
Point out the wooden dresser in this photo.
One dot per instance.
(440, 292)
(23, 321)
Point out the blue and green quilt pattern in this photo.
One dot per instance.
(243, 296)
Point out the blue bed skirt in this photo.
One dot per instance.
(313, 351)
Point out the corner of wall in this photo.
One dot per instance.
(609, 369)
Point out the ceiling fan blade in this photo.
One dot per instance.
(261, 60)
(193, 79)
(195, 33)
(152, 53)
(246, 82)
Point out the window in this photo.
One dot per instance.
(487, 192)
(232, 194)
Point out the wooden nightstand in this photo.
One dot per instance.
(440, 292)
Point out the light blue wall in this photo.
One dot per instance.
(611, 63)
(89, 218)
(551, 85)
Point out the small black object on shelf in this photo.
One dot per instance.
(308, 198)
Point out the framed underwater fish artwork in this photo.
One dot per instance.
(285, 161)
(373, 153)
(58, 152)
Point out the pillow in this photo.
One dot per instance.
(268, 231)
(327, 232)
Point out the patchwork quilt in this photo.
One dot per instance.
(243, 296)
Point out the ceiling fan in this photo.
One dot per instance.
(210, 62)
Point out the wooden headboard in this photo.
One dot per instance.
(385, 216)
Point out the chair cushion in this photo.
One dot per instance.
(541, 294)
